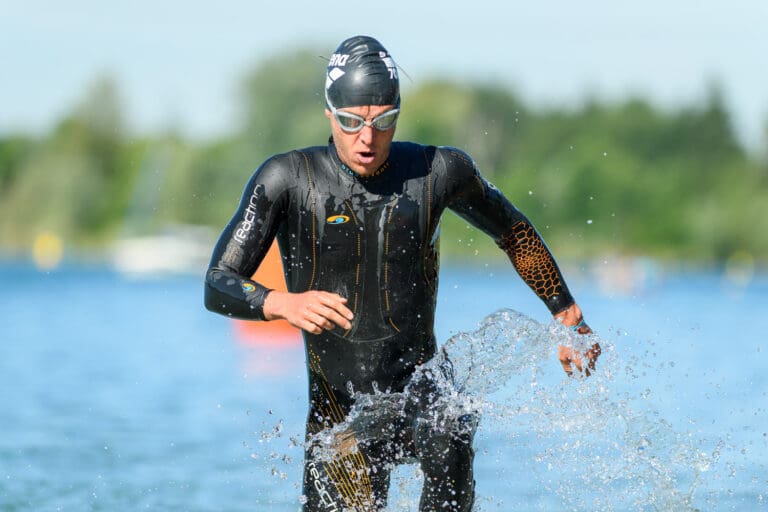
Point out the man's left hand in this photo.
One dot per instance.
(572, 317)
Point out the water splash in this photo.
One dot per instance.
(596, 449)
(591, 447)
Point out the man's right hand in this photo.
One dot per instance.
(312, 311)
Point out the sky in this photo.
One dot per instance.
(178, 64)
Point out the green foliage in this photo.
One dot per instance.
(624, 177)
(479, 119)
(13, 151)
(283, 104)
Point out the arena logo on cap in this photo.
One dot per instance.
(339, 59)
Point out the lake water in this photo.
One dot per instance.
(119, 394)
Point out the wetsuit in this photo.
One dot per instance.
(374, 241)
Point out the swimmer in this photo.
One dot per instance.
(357, 223)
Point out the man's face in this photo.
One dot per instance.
(365, 151)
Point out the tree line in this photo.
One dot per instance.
(624, 177)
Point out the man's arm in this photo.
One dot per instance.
(486, 208)
(229, 289)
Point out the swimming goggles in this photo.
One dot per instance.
(352, 123)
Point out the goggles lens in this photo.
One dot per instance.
(352, 123)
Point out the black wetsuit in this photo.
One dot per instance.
(374, 241)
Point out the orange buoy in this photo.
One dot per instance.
(276, 332)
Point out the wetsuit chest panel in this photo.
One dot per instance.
(367, 240)
(368, 247)
(404, 280)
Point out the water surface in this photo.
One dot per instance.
(122, 394)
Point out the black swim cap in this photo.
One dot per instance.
(361, 72)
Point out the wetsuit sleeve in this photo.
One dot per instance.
(485, 207)
(229, 289)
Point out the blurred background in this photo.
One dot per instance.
(635, 136)
(639, 130)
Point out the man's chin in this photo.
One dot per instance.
(366, 168)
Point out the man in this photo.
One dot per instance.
(357, 225)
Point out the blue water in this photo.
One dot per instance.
(120, 394)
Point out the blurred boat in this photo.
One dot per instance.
(143, 250)
(178, 250)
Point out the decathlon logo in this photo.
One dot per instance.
(337, 219)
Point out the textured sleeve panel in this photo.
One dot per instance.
(535, 264)
(484, 206)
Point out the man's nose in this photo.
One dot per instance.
(366, 134)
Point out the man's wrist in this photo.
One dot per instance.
(271, 306)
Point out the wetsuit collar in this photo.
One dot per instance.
(345, 168)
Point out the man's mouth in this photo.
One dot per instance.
(366, 157)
